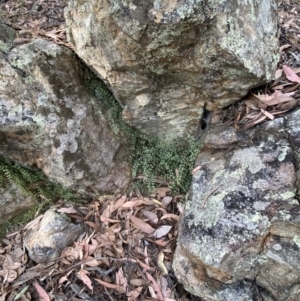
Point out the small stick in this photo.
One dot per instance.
(207, 196)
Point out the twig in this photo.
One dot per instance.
(100, 271)
(207, 196)
(109, 295)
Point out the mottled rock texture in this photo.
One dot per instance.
(240, 232)
(7, 36)
(166, 60)
(48, 237)
(49, 120)
(12, 201)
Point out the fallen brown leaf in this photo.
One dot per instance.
(162, 231)
(141, 225)
(42, 293)
(290, 74)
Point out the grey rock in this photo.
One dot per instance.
(239, 234)
(13, 201)
(50, 236)
(293, 124)
(49, 120)
(7, 36)
(167, 60)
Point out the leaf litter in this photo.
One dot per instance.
(126, 252)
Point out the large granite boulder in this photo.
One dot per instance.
(50, 120)
(167, 60)
(239, 234)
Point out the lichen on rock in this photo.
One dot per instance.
(165, 61)
(239, 234)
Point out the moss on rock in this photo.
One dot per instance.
(154, 162)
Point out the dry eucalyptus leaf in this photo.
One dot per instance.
(290, 74)
(144, 227)
(160, 263)
(42, 293)
(162, 231)
(150, 215)
(82, 275)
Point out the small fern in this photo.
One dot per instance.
(154, 162)
(33, 182)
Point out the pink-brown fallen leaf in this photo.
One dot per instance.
(292, 89)
(12, 234)
(134, 294)
(162, 231)
(82, 275)
(143, 265)
(196, 169)
(269, 115)
(160, 242)
(34, 223)
(152, 293)
(156, 287)
(282, 48)
(108, 220)
(259, 120)
(290, 74)
(43, 295)
(111, 285)
(180, 207)
(262, 97)
(91, 224)
(144, 227)
(288, 105)
(121, 280)
(62, 279)
(13, 266)
(71, 253)
(129, 204)
(167, 200)
(279, 99)
(67, 210)
(164, 287)
(119, 203)
(106, 212)
(170, 215)
(251, 104)
(150, 215)
(137, 282)
(296, 70)
(90, 261)
(8, 275)
(160, 263)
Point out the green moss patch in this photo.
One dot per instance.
(33, 182)
(154, 162)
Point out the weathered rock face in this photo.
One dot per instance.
(166, 60)
(48, 119)
(12, 201)
(54, 232)
(239, 235)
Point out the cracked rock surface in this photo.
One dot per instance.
(50, 120)
(166, 60)
(240, 232)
